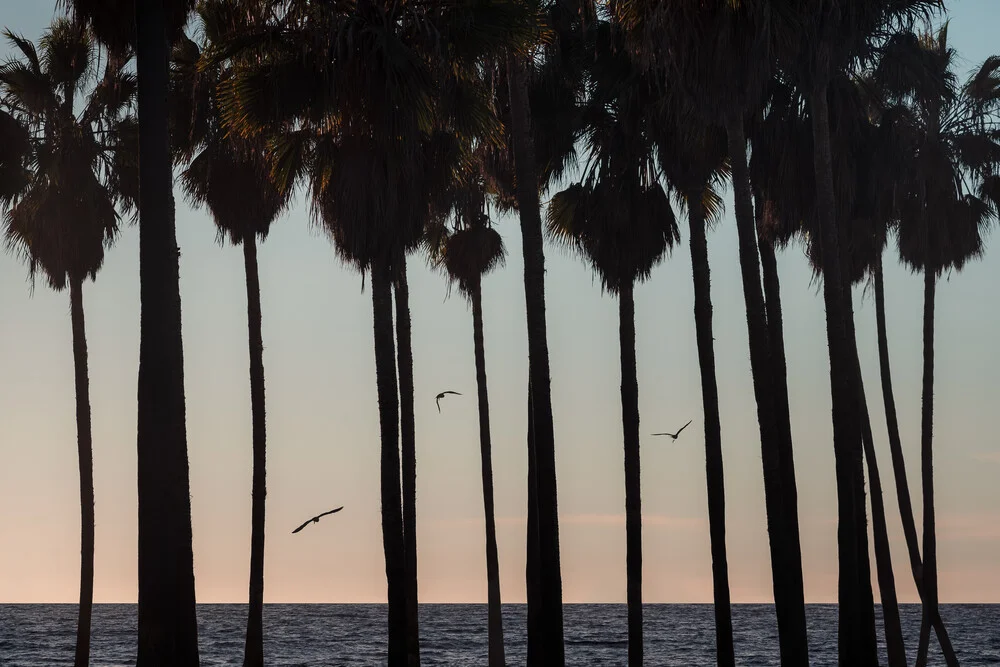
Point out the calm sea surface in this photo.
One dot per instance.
(455, 635)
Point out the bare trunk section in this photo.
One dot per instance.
(856, 641)
(494, 609)
(786, 568)
(899, 464)
(550, 576)
(85, 454)
(532, 569)
(392, 511)
(253, 652)
(168, 629)
(404, 354)
(725, 654)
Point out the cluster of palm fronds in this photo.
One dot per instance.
(409, 123)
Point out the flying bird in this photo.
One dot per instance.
(437, 399)
(673, 436)
(316, 519)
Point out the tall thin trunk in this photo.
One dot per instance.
(895, 647)
(404, 355)
(392, 511)
(85, 453)
(930, 599)
(786, 569)
(633, 487)
(782, 413)
(724, 651)
(168, 629)
(532, 569)
(856, 641)
(550, 575)
(253, 652)
(494, 623)
(899, 465)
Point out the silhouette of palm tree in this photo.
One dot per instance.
(61, 211)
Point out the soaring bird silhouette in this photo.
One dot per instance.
(673, 436)
(316, 519)
(437, 399)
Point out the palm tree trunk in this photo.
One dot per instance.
(930, 598)
(895, 647)
(392, 511)
(550, 575)
(725, 655)
(168, 630)
(404, 354)
(633, 486)
(532, 569)
(857, 642)
(786, 570)
(494, 622)
(899, 465)
(85, 453)
(253, 652)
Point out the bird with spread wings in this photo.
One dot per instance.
(316, 519)
(673, 436)
(437, 399)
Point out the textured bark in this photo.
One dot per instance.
(168, 630)
(550, 576)
(253, 652)
(494, 622)
(392, 511)
(633, 486)
(85, 455)
(899, 465)
(408, 439)
(856, 636)
(930, 598)
(725, 655)
(786, 569)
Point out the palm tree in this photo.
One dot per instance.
(168, 631)
(620, 220)
(63, 216)
(717, 54)
(946, 205)
(470, 252)
(233, 180)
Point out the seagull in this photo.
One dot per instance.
(316, 519)
(673, 436)
(437, 399)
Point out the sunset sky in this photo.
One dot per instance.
(323, 429)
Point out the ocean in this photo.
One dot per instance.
(342, 635)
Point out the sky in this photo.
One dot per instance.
(323, 447)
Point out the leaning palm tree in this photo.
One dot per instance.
(619, 218)
(168, 629)
(232, 178)
(64, 217)
(945, 206)
(468, 253)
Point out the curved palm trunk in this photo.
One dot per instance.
(253, 652)
(550, 576)
(404, 354)
(856, 641)
(494, 622)
(930, 599)
(633, 486)
(899, 465)
(168, 630)
(725, 655)
(786, 563)
(392, 512)
(85, 453)
(895, 647)
(532, 569)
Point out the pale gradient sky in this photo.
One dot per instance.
(323, 428)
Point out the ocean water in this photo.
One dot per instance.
(455, 635)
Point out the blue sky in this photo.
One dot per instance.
(323, 429)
